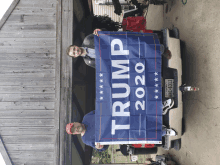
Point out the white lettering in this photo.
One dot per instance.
(118, 64)
(118, 127)
(122, 73)
(122, 107)
(142, 105)
(140, 90)
(141, 80)
(121, 95)
(142, 67)
(120, 51)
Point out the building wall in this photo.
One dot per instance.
(28, 116)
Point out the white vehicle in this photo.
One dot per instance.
(172, 76)
(172, 87)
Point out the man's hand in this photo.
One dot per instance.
(96, 31)
(98, 146)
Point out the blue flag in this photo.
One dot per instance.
(128, 88)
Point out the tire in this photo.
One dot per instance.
(176, 144)
(174, 33)
(123, 149)
(143, 151)
(158, 2)
(138, 151)
(183, 126)
(184, 61)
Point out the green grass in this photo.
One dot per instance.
(104, 157)
(107, 156)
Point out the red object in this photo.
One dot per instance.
(140, 145)
(68, 128)
(135, 24)
(149, 146)
(137, 145)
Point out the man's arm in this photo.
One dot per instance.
(95, 32)
(105, 147)
(98, 146)
(89, 61)
(89, 41)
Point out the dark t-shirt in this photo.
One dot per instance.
(89, 137)
(89, 43)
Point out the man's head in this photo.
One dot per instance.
(75, 128)
(74, 51)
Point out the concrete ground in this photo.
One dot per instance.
(199, 25)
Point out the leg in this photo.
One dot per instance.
(167, 105)
(168, 132)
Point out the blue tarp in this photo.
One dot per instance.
(128, 88)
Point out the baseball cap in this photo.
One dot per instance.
(68, 128)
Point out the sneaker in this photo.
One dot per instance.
(171, 132)
(131, 151)
(168, 104)
(175, 32)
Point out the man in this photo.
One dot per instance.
(87, 50)
(99, 23)
(87, 128)
(87, 131)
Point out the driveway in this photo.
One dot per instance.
(198, 23)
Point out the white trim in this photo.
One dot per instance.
(129, 142)
(2, 161)
(4, 5)
(4, 154)
(8, 12)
